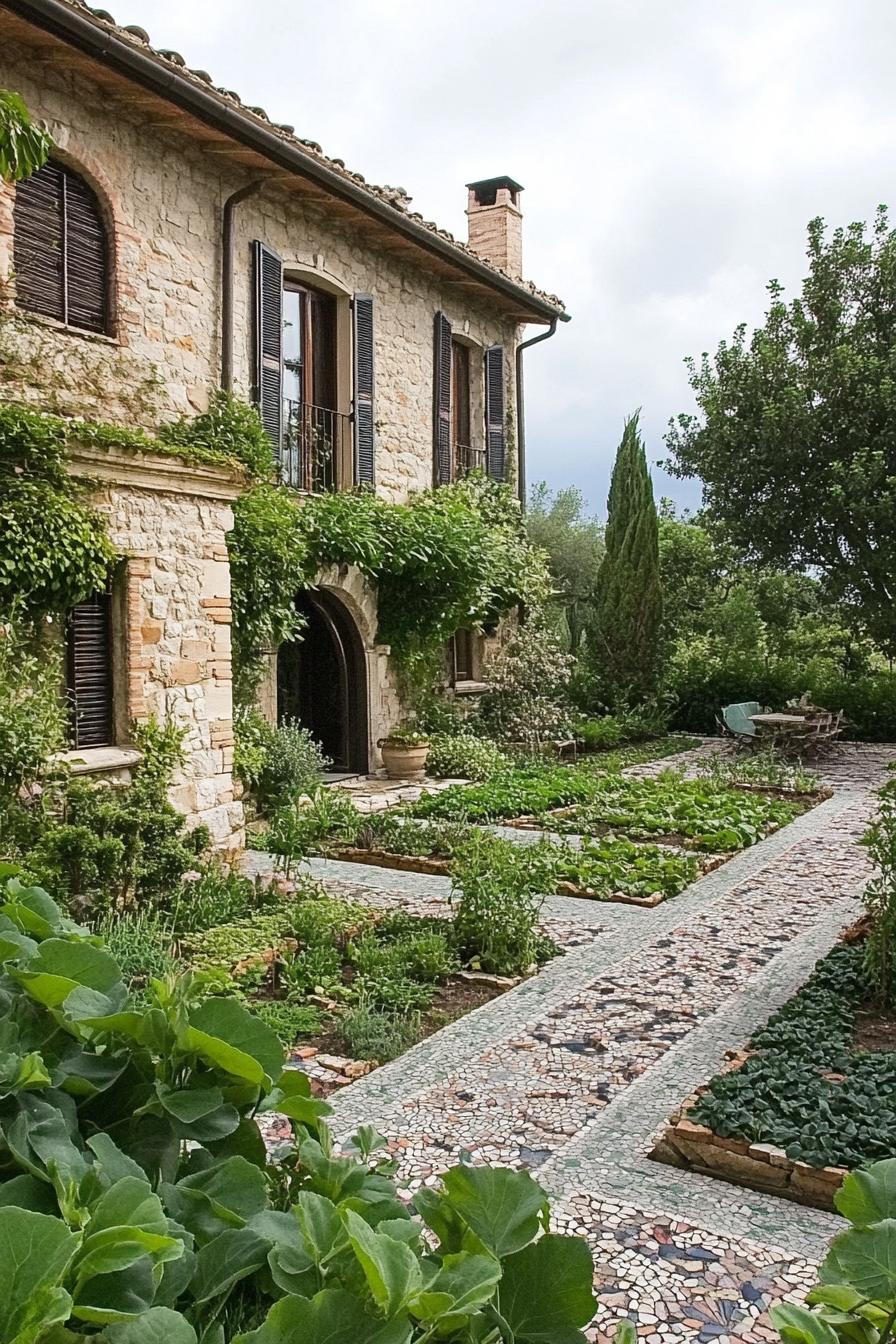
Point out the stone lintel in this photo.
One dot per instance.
(164, 473)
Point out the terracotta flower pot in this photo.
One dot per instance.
(404, 760)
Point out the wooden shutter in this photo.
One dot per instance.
(89, 671)
(442, 400)
(363, 427)
(495, 433)
(269, 340)
(60, 250)
(86, 258)
(39, 231)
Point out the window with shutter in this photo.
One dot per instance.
(442, 400)
(363, 382)
(60, 249)
(269, 340)
(495, 433)
(89, 672)
(462, 650)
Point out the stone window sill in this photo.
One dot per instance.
(53, 324)
(471, 687)
(99, 760)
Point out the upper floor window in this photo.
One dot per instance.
(60, 249)
(311, 425)
(464, 454)
(302, 340)
(468, 408)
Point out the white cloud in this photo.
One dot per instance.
(672, 156)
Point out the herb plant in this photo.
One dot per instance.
(498, 889)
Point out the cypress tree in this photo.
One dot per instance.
(628, 605)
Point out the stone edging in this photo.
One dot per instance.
(759, 1166)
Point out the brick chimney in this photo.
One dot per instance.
(495, 223)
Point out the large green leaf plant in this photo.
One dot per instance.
(139, 1204)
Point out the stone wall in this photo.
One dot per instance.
(163, 197)
(171, 598)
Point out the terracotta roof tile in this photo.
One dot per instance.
(396, 197)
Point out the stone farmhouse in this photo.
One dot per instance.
(177, 242)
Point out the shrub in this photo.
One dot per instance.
(880, 898)
(314, 970)
(464, 756)
(600, 734)
(371, 1033)
(295, 831)
(529, 680)
(141, 943)
(293, 765)
(252, 738)
(123, 846)
(700, 686)
(32, 713)
(498, 888)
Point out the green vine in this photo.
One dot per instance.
(448, 558)
(54, 550)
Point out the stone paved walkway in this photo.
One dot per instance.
(572, 1074)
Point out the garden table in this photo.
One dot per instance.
(782, 721)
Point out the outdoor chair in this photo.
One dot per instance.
(736, 722)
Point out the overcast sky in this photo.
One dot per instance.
(672, 155)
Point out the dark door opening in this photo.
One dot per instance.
(322, 681)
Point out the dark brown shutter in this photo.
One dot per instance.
(442, 400)
(496, 452)
(363, 420)
(89, 671)
(269, 340)
(87, 262)
(38, 257)
(60, 250)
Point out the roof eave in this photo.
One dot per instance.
(154, 73)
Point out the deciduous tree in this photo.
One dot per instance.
(796, 437)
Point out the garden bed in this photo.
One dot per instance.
(440, 866)
(813, 1098)
(344, 982)
(670, 810)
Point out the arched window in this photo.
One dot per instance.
(60, 249)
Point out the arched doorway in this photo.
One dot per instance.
(322, 681)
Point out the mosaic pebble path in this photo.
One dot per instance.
(573, 1073)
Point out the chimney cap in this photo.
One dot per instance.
(493, 183)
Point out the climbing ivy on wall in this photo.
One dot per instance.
(54, 550)
(448, 558)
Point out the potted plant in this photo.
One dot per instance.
(404, 752)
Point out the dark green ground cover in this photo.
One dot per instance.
(808, 1089)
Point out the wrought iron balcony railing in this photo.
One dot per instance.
(315, 441)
